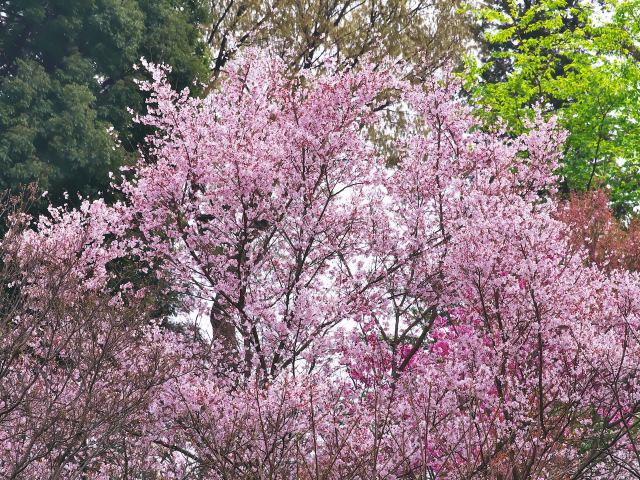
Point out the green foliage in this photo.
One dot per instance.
(67, 77)
(577, 60)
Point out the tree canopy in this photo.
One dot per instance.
(424, 34)
(426, 319)
(575, 59)
(67, 79)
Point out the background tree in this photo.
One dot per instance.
(502, 26)
(609, 242)
(67, 77)
(577, 59)
(424, 34)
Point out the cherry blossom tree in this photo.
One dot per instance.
(421, 318)
(79, 363)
